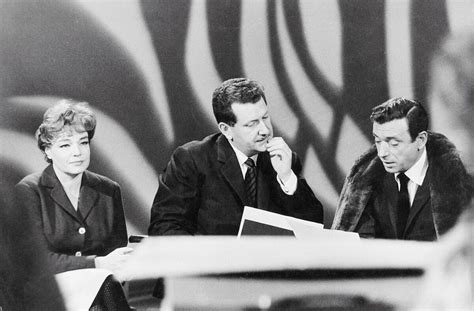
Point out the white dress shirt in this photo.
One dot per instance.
(416, 175)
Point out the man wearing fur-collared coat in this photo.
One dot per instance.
(368, 203)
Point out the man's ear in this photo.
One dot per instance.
(225, 130)
(422, 139)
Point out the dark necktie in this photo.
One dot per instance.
(403, 204)
(251, 183)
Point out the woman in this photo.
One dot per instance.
(79, 213)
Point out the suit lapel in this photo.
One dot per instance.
(230, 168)
(421, 197)
(264, 175)
(88, 195)
(50, 180)
(391, 192)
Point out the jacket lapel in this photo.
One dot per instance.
(50, 180)
(421, 197)
(88, 195)
(357, 190)
(230, 168)
(264, 176)
(391, 192)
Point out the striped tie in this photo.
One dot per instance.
(251, 183)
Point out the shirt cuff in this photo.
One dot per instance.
(288, 187)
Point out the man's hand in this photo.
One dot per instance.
(280, 155)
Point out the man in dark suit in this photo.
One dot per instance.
(207, 183)
(411, 185)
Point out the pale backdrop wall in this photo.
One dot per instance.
(148, 68)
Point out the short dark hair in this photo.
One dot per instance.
(66, 113)
(400, 108)
(237, 90)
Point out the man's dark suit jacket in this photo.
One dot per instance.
(379, 219)
(202, 191)
(71, 238)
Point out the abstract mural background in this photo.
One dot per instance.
(148, 68)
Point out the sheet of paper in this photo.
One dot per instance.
(260, 222)
(303, 230)
(273, 224)
(264, 217)
(250, 227)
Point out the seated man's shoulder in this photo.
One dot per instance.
(443, 155)
(439, 145)
(367, 162)
(197, 147)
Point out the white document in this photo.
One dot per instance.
(301, 229)
(275, 220)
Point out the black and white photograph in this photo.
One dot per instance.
(236, 155)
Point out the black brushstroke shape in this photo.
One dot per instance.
(429, 25)
(364, 59)
(168, 22)
(224, 20)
